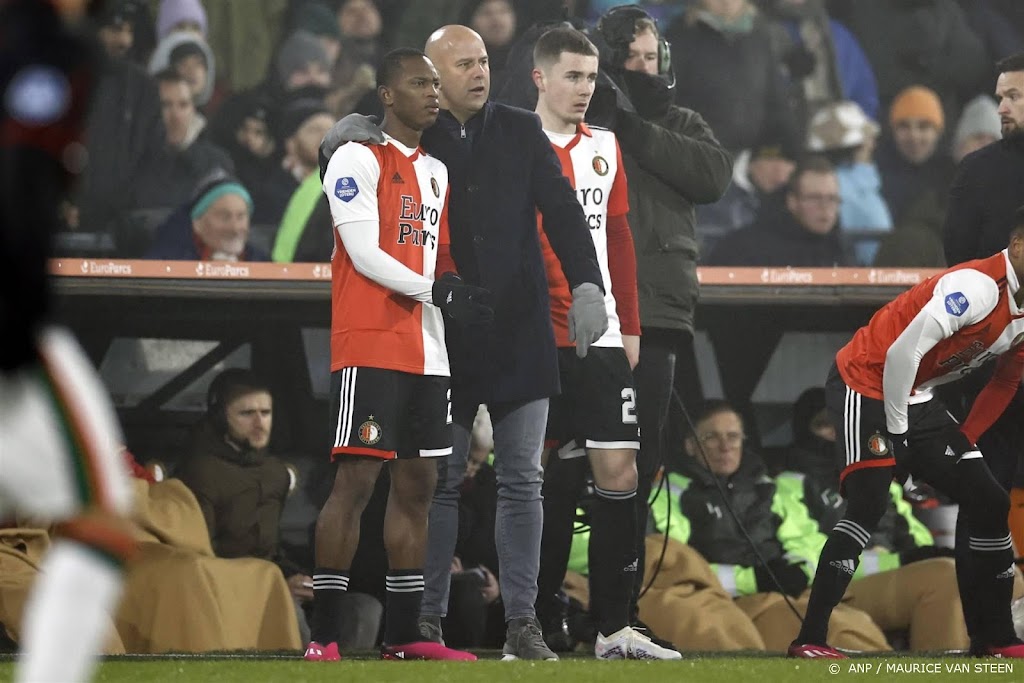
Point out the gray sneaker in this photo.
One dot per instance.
(525, 640)
(430, 628)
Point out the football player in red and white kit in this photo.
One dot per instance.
(389, 367)
(594, 415)
(880, 396)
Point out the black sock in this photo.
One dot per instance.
(839, 560)
(560, 496)
(402, 611)
(329, 588)
(613, 558)
(992, 560)
(966, 582)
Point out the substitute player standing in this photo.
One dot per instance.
(879, 395)
(596, 409)
(389, 367)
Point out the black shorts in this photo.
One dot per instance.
(862, 436)
(597, 407)
(390, 414)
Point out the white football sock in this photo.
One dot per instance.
(67, 615)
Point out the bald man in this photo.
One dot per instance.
(502, 170)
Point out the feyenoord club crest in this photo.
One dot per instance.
(600, 165)
(877, 444)
(369, 432)
(434, 187)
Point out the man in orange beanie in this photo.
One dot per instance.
(915, 173)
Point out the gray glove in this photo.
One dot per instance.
(588, 318)
(352, 128)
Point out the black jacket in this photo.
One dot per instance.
(241, 495)
(713, 531)
(777, 240)
(500, 174)
(672, 164)
(987, 189)
(126, 142)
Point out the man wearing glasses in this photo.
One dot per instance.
(802, 230)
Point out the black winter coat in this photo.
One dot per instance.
(500, 173)
(777, 240)
(713, 531)
(986, 191)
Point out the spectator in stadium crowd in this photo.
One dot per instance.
(759, 176)
(180, 15)
(126, 143)
(904, 581)
(300, 73)
(242, 127)
(916, 170)
(1000, 26)
(303, 125)
(126, 30)
(981, 213)
(846, 136)
(662, 12)
(821, 56)
(301, 62)
(727, 69)
(979, 126)
(354, 75)
(495, 21)
(945, 54)
(188, 54)
(192, 156)
(318, 19)
(212, 226)
(241, 488)
(802, 233)
(673, 163)
(781, 533)
(245, 37)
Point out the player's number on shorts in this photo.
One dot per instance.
(448, 396)
(628, 406)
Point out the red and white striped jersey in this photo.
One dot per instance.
(592, 162)
(406, 191)
(974, 305)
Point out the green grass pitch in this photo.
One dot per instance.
(717, 668)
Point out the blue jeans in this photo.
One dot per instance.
(518, 440)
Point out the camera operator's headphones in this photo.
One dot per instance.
(617, 29)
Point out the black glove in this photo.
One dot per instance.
(791, 577)
(924, 552)
(461, 302)
(900, 451)
(957, 444)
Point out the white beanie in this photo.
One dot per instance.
(979, 116)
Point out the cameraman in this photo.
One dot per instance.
(672, 162)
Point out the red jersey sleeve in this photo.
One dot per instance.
(622, 270)
(618, 200)
(993, 399)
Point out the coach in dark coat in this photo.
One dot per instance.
(500, 174)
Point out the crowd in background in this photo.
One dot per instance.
(202, 143)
